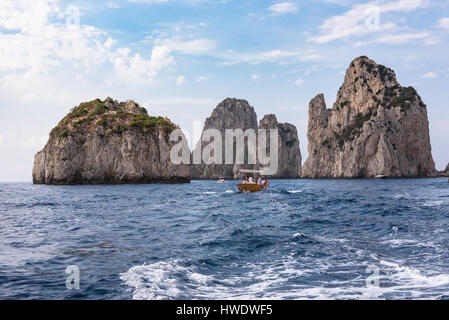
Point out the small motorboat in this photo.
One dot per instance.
(381, 177)
(221, 180)
(251, 187)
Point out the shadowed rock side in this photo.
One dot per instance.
(446, 171)
(289, 165)
(107, 142)
(376, 127)
(229, 114)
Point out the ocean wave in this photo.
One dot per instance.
(201, 241)
(433, 203)
(414, 280)
(176, 279)
(162, 280)
(298, 235)
(396, 243)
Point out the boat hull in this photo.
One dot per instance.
(249, 187)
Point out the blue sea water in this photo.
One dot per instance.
(301, 239)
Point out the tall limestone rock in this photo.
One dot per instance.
(107, 142)
(229, 114)
(446, 171)
(376, 127)
(289, 154)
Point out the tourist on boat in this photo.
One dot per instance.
(262, 183)
(251, 180)
(259, 181)
(245, 180)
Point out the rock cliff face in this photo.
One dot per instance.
(376, 127)
(229, 114)
(238, 114)
(107, 142)
(289, 164)
(446, 171)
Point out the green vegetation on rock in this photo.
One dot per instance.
(64, 133)
(405, 99)
(146, 122)
(111, 116)
(99, 110)
(120, 129)
(79, 111)
(352, 131)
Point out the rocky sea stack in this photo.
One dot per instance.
(229, 114)
(238, 114)
(107, 142)
(289, 164)
(375, 127)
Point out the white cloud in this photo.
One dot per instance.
(191, 47)
(443, 23)
(201, 78)
(429, 75)
(39, 41)
(2, 137)
(283, 8)
(299, 82)
(274, 56)
(181, 101)
(255, 77)
(363, 19)
(150, 1)
(112, 5)
(400, 38)
(109, 43)
(180, 80)
(129, 67)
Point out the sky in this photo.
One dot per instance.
(180, 58)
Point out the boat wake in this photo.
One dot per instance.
(179, 279)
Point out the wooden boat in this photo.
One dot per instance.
(249, 187)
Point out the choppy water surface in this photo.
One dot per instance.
(301, 239)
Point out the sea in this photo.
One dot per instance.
(300, 239)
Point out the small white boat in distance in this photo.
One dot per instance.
(221, 180)
(380, 177)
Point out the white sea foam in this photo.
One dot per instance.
(412, 278)
(433, 203)
(298, 235)
(209, 193)
(229, 191)
(294, 191)
(400, 242)
(410, 242)
(172, 280)
(162, 280)
(402, 196)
